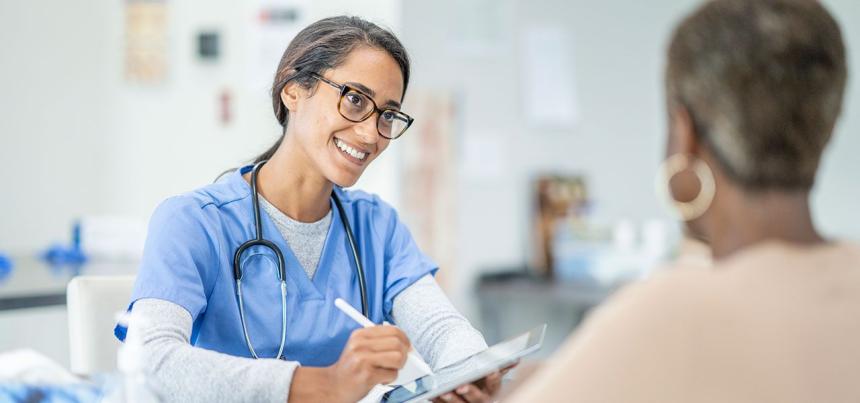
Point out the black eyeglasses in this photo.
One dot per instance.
(356, 106)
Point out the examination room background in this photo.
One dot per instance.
(77, 139)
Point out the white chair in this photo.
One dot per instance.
(93, 303)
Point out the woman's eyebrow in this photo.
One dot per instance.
(392, 104)
(363, 88)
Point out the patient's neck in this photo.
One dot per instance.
(743, 219)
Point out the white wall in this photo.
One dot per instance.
(618, 49)
(52, 130)
(168, 140)
(76, 138)
(837, 192)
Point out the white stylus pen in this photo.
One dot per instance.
(364, 322)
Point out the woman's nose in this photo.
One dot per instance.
(367, 131)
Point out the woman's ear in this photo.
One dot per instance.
(683, 138)
(290, 95)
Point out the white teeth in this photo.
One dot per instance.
(349, 150)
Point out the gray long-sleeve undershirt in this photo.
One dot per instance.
(182, 372)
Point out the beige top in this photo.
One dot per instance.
(773, 323)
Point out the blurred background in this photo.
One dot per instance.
(528, 175)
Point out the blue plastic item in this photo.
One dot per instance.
(5, 266)
(75, 393)
(5, 262)
(59, 255)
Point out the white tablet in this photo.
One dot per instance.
(470, 369)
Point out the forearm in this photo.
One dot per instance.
(440, 333)
(181, 372)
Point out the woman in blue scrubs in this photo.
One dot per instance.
(337, 95)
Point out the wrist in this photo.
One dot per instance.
(312, 384)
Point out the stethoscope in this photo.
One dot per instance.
(282, 273)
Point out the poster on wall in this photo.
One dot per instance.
(146, 41)
(428, 178)
(272, 25)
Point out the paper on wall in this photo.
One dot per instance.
(549, 90)
(272, 25)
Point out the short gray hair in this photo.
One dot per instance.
(763, 81)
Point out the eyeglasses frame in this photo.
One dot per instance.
(344, 89)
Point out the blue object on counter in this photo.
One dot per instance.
(5, 266)
(76, 235)
(59, 255)
(5, 263)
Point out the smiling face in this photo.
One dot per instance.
(337, 149)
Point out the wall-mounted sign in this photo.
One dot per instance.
(146, 41)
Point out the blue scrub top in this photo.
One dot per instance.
(188, 259)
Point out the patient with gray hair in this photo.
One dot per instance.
(754, 89)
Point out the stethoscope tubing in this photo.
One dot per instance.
(282, 277)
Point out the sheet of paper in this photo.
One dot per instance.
(146, 36)
(271, 25)
(549, 90)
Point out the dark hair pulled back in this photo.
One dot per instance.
(324, 45)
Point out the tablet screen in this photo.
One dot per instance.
(470, 369)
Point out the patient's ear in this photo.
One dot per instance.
(682, 133)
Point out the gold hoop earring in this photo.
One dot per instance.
(673, 165)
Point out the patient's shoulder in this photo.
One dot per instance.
(666, 289)
(742, 287)
(667, 306)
